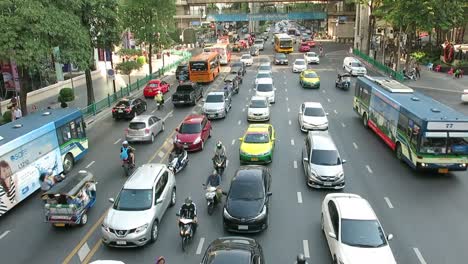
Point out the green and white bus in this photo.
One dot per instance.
(30, 146)
(423, 132)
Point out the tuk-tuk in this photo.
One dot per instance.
(243, 43)
(232, 81)
(236, 47)
(343, 81)
(237, 71)
(68, 202)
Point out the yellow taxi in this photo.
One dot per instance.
(257, 144)
(309, 79)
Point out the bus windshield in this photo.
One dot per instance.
(285, 43)
(439, 143)
(198, 66)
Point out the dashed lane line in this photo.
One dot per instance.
(343, 124)
(4, 234)
(419, 256)
(355, 145)
(161, 154)
(233, 141)
(387, 200)
(200, 246)
(243, 109)
(83, 252)
(239, 122)
(334, 111)
(290, 122)
(289, 110)
(227, 163)
(299, 197)
(328, 99)
(295, 164)
(287, 99)
(292, 142)
(369, 169)
(305, 244)
(90, 164)
(117, 141)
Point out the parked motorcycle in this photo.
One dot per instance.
(219, 164)
(211, 198)
(185, 231)
(178, 163)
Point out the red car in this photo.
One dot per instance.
(154, 86)
(311, 43)
(193, 132)
(304, 47)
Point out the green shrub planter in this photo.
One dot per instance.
(141, 60)
(7, 116)
(66, 95)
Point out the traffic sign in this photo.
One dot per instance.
(111, 74)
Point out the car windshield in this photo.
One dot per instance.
(286, 43)
(299, 62)
(325, 157)
(314, 111)
(457, 143)
(236, 64)
(259, 42)
(356, 64)
(137, 125)
(258, 104)
(264, 87)
(198, 66)
(214, 98)
(362, 233)
(246, 190)
(280, 56)
(305, 44)
(264, 60)
(312, 54)
(190, 128)
(256, 138)
(123, 104)
(184, 88)
(134, 200)
(310, 75)
(263, 75)
(153, 85)
(228, 256)
(264, 68)
(246, 57)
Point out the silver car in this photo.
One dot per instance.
(144, 128)
(134, 218)
(259, 109)
(216, 104)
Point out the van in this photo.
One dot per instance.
(265, 88)
(322, 163)
(354, 66)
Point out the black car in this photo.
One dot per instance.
(234, 250)
(128, 108)
(239, 64)
(182, 72)
(281, 59)
(238, 72)
(187, 93)
(247, 202)
(254, 51)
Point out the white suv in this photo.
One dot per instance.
(353, 232)
(133, 220)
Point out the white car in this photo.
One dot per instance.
(264, 68)
(107, 262)
(311, 57)
(266, 89)
(263, 75)
(259, 109)
(247, 59)
(259, 43)
(354, 66)
(299, 65)
(353, 232)
(464, 96)
(312, 117)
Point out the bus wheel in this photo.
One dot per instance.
(399, 154)
(365, 120)
(67, 163)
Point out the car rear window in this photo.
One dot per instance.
(184, 88)
(137, 125)
(229, 256)
(123, 103)
(190, 128)
(153, 85)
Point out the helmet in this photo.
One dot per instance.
(219, 144)
(301, 259)
(50, 172)
(188, 201)
(125, 143)
(161, 260)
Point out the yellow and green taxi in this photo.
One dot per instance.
(309, 79)
(257, 144)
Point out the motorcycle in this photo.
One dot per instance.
(211, 198)
(160, 104)
(219, 164)
(185, 231)
(175, 165)
(410, 75)
(127, 167)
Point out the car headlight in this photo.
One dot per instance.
(141, 228)
(313, 174)
(243, 152)
(226, 214)
(264, 153)
(176, 140)
(277, 61)
(340, 175)
(105, 227)
(262, 213)
(197, 140)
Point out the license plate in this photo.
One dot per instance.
(243, 227)
(443, 170)
(211, 115)
(254, 159)
(121, 243)
(59, 225)
(327, 184)
(120, 111)
(182, 102)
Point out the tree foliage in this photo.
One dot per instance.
(127, 67)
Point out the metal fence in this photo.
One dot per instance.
(387, 70)
(125, 91)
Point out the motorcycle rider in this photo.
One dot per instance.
(127, 152)
(321, 50)
(220, 152)
(214, 180)
(301, 259)
(159, 98)
(177, 152)
(189, 211)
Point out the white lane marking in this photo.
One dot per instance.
(336, 112)
(200, 245)
(292, 142)
(289, 110)
(243, 109)
(90, 164)
(305, 244)
(161, 154)
(419, 256)
(168, 115)
(117, 141)
(286, 90)
(390, 205)
(83, 252)
(295, 164)
(343, 124)
(233, 141)
(227, 163)
(289, 122)
(153, 111)
(369, 169)
(286, 99)
(355, 145)
(239, 122)
(323, 91)
(247, 98)
(4, 234)
(299, 197)
(328, 99)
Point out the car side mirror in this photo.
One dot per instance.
(177, 214)
(390, 237)
(224, 193)
(332, 235)
(326, 113)
(240, 139)
(306, 159)
(269, 193)
(203, 100)
(344, 161)
(111, 200)
(158, 201)
(177, 129)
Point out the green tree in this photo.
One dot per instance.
(127, 67)
(149, 21)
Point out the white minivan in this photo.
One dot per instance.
(354, 66)
(266, 89)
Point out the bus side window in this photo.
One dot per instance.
(66, 134)
(73, 129)
(403, 123)
(79, 128)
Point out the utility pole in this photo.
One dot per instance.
(112, 66)
(397, 67)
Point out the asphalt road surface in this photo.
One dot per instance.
(425, 212)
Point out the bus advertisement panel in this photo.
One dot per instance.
(204, 67)
(224, 50)
(423, 132)
(283, 43)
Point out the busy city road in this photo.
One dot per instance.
(425, 212)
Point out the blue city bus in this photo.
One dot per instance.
(54, 139)
(423, 132)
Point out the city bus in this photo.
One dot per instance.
(424, 133)
(283, 43)
(204, 67)
(31, 146)
(224, 50)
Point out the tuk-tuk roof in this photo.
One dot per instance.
(344, 74)
(230, 77)
(236, 69)
(71, 185)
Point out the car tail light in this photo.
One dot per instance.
(465, 92)
(126, 131)
(113, 110)
(147, 130)
(128, 110)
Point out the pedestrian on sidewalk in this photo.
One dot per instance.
(16, 114)
(417, 70)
